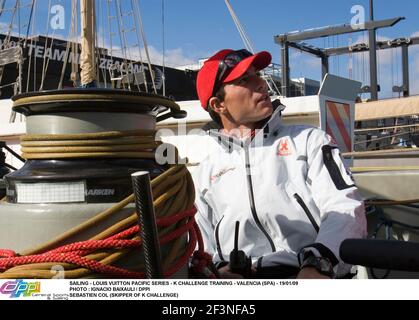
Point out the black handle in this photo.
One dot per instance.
(239, 262)
(147, 221)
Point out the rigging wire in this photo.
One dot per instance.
(335, 58)
(273, 88)
(355, 66)
(129, 53)
(102, 53)
(337, 45)
(392, 71)
(140, 55)
(96, 51)
(140, 20)
(2, 4)
(29, 22)
(124, 45)
(72, 37)
(110, 32)
(35, 67)
(120, 67)
(6, 41)
(18, 18)
(331, 64)
(48, 52)
(4, 45)
(240, 28)
(351, 59)
(75, 74)
(397, 66)
(19, 44)
(45, 48)
(122, 40)
(363, 62)
(378, 52)
(30, 52)
(163, 46)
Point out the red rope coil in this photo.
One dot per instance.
(75, 253)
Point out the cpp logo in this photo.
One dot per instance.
(19, 288)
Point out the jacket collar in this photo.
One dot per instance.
(229, 142)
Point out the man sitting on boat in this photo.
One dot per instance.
(278, 194)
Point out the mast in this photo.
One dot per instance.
(88, 36)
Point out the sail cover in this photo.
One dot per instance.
(87, 58)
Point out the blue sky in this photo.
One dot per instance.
(205, 26)
(195, 29)
(200, 27)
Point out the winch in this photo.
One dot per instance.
(81, 147)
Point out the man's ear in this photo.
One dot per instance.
(217, 105)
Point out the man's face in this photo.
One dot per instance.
(247, 99)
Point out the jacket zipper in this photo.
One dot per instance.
(307, 211)
(252, 200)
(217, 239)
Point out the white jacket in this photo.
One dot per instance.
(288, 189)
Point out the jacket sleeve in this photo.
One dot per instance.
(342, 213)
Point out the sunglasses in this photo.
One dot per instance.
(229, 62)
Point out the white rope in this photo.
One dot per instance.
(128, 55)
(128, 61)
(71, 33)
(122, 38)
(5, 44)
(17, 85)
(133, 8)
(145, 45)
(240, 28)
(45, 48)
(10, 27)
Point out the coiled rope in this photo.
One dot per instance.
(128, 144)
(173, 194)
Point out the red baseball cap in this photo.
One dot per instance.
(225, 66)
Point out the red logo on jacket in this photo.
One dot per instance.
(284, 147)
